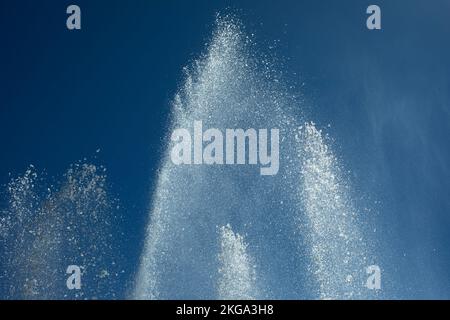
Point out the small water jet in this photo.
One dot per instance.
(47, 228)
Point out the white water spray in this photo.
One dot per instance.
(337, 247)
(44, 229)
(237, 279)
(299, 223)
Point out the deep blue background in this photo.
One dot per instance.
(64, 94)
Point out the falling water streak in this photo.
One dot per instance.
(237, 277)
(337, 248)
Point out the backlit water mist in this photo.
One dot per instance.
(227, 232)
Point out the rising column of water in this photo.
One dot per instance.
(237, 280)
(225, 89)
(337, 246)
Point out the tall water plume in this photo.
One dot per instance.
(286, 219)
